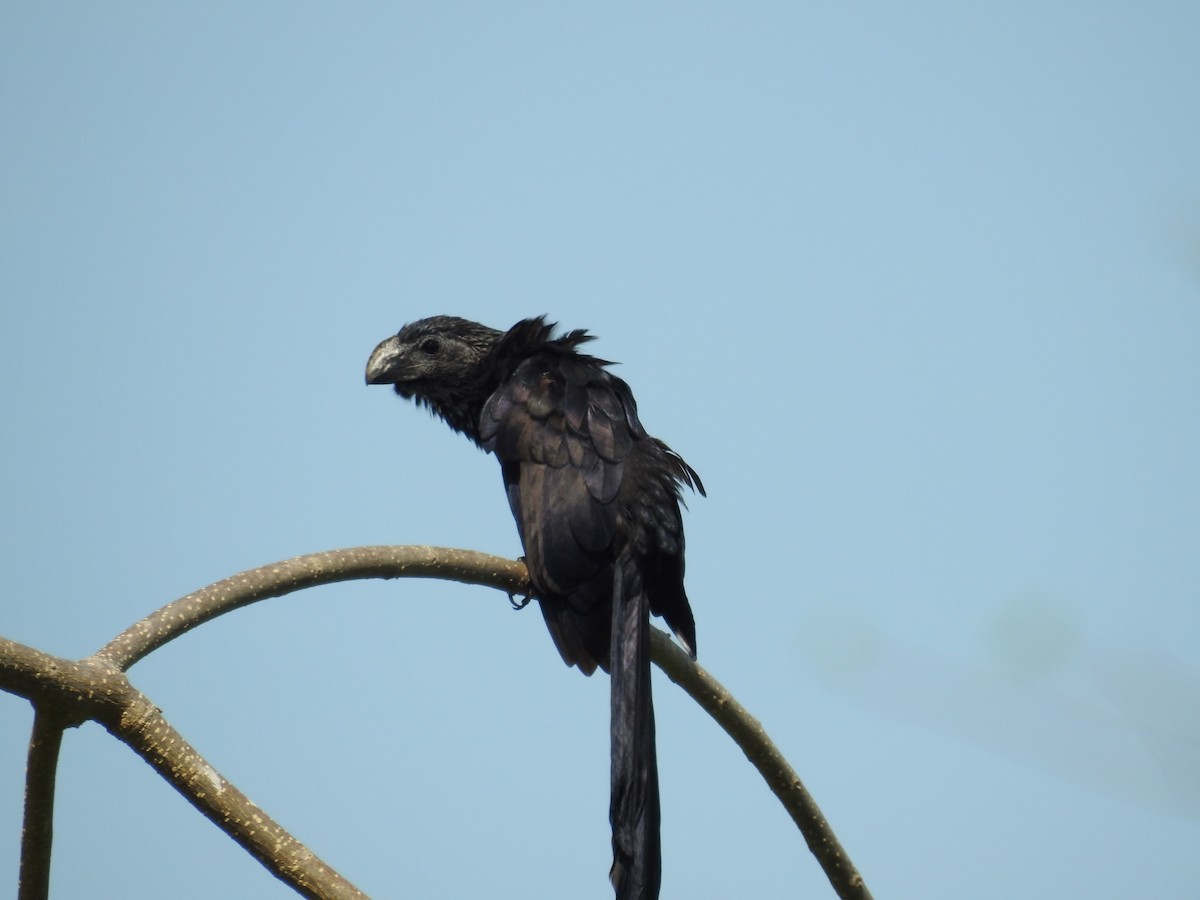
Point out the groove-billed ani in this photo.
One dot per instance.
(596, 501)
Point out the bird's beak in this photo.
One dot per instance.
(387, 363)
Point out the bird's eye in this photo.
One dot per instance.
(430, 346)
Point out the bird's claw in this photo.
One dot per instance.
(524, 601)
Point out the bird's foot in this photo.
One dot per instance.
(524, 601)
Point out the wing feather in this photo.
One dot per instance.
(582, 476)
(561, 429)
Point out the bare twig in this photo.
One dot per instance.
(37, 835)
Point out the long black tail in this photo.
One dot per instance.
(634, 809)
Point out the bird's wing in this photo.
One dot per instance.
(563, 429)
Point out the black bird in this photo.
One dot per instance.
(596, 501)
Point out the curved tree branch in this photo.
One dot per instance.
(277, 579)
(131, 717)
(748, 733)
(509, 576)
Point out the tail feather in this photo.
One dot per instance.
(634, 809)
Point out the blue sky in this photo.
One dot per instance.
(915, 288)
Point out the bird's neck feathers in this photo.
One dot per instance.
(462, 417)
(528, 338)
(460, 403)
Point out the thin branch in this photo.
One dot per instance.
(152, 738)
(42, 678)
(67, 693)
(144, 729)
(511, 577)
(748, 733)
(37, 833)
(329, 567)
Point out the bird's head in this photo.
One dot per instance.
(439, 362)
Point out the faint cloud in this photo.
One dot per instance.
(1177, 223)
(1120, 721)
(1031, 637)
